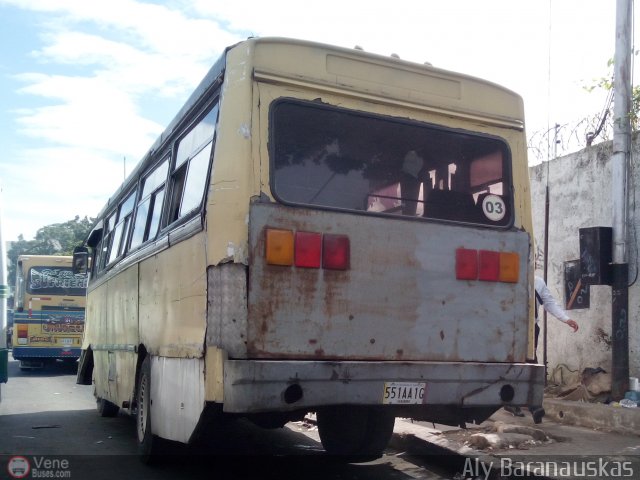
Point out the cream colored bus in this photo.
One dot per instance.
(322, 230)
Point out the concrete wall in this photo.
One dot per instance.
(580, 196)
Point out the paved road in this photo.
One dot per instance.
(52, 422)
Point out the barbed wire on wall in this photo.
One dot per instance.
(569, 137)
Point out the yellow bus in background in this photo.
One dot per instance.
(318, 229)
(49, 305)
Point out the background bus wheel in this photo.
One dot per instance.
(148, 444)
(361, 433)
(106, 408)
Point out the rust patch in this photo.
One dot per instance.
(312, 341)
(441, 335)
(334, 300)
(319, 352)
(399, 353)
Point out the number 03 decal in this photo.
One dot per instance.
(494, 208)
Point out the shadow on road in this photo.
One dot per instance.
(105, 448)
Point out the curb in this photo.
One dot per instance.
(597, 416)
(418, 440)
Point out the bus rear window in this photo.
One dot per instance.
(336, 158)
(56, 281)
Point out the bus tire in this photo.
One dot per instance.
(148, 443)
(106, 408)
(357, 433)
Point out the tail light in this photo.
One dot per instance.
(335, 252)
(307, 249)
(23, 334)
(487, 265)
(466, 264)
(279, 247)
(509, 267)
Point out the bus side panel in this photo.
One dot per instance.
(398, 300)
(95, 331)
(122, 333)
(113, 342)
(173, 300)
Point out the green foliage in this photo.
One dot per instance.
(54, 239)
(606, 84)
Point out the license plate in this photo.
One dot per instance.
(66, 341)
(403, 393)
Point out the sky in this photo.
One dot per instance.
(86, 86)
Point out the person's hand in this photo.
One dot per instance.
(572, 324)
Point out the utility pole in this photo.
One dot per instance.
(556, 129)
(619, 160)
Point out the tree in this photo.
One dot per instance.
(606, 84)
(54, 239)
(573, 136)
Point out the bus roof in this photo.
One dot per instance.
(45, 260)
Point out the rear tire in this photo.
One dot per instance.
(106, 408)
(149, 445)
(360, 433)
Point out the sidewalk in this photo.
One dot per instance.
(588, 440)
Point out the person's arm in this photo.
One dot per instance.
(551, 305)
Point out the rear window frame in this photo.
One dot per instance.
(507, 177)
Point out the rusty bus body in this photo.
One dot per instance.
(354, 239)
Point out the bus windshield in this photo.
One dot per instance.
(338, 158)
(56, 281)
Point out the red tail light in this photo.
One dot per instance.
(466, 264)
(308, 249)
(489, 266)
(23, 331)
(336, 252)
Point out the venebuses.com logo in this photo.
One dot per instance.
(19, 466)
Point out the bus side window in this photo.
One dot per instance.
(149, 207)
(103, 248)
(122, 228)
(189, 174)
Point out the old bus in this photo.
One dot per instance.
(318, 229)
(49, 305)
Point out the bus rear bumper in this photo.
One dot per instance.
(259, 386)
(20, 353)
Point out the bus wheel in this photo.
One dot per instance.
(106, 408)
(148, 444)
(361, 433)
